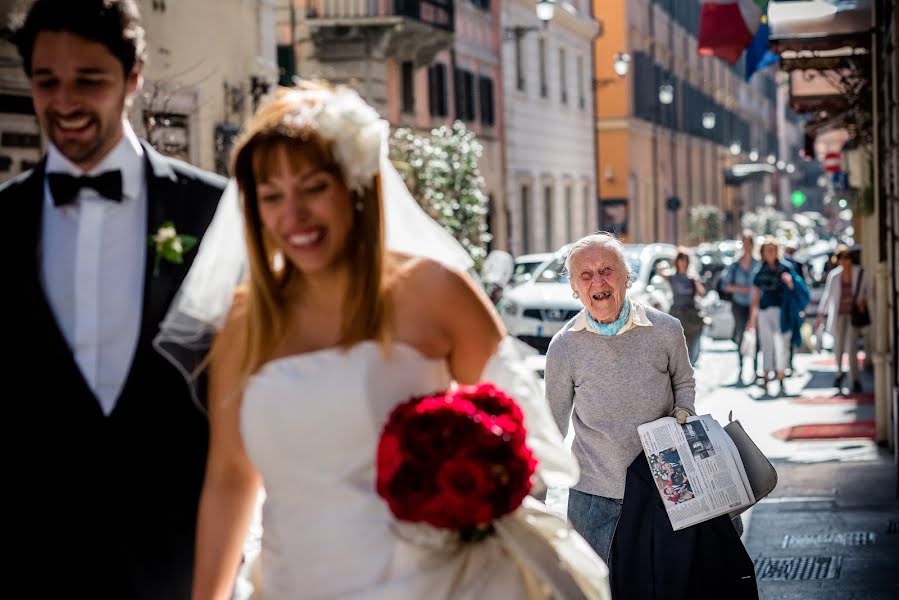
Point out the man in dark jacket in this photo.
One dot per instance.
(111, 450)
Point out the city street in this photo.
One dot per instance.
(829, 529)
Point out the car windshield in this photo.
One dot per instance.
(554, 272)
(525, 269)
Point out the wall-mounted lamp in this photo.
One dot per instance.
(735, 148)
(771, 159)
(708, 120)
(621, 65)
(666, 93)
(753, 155)
(546, 9)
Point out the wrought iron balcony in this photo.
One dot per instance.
(438, 14)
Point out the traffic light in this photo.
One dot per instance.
(797, 198)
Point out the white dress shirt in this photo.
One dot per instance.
(93, 261)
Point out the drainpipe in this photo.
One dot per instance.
(882, 278)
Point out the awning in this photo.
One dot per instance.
(741, 173)
(819, 24)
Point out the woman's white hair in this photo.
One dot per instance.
(600, 239)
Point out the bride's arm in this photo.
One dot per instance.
(471, 323)
(231, 484)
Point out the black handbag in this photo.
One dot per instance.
(859, 317)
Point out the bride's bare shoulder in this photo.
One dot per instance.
(419, 274)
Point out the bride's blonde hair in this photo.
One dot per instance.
(255, 158)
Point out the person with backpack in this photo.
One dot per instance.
(736, 285)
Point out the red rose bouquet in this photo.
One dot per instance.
(455, 460)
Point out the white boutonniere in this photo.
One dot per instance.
(170, 245)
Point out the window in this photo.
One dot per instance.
(287, 65)
(548, 217)
(464, 95)
(569, 214)
(541, 54)
(563, 79)
(485, 95)
(588, 225)
(519, 64)
(407, 81)
(581, 96)
(525, 217)
(437, 90)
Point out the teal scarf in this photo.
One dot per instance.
(610, 328)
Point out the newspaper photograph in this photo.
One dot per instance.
(696, 468)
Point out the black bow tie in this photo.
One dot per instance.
(65, 187)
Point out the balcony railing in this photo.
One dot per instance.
(436, 13)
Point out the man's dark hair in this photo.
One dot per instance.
(113, 23)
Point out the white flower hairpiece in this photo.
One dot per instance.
(357, 130)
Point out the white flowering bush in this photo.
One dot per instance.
(441, 170)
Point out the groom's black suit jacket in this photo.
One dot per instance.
(100, 506)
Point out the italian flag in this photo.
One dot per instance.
(726, 27)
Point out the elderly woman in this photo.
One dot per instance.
(617, 364)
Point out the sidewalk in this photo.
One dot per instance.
(830, 529)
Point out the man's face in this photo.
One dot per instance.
(79, 94)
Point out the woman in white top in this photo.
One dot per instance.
(844, 283)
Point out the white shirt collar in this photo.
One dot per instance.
(127, 156)
(637, 318)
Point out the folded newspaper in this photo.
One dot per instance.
(697, 469)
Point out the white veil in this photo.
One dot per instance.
(203, 301)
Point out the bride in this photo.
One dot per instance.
(336, 324)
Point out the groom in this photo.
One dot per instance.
(104, 477)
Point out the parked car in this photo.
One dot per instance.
(526, 265)
(536, 309)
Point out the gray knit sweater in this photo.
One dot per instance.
(614, 384)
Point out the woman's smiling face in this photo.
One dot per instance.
(600, 279)
(307, 211)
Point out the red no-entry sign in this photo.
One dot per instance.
(833, 163)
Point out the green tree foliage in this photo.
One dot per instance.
(441, 171)
(705, 223)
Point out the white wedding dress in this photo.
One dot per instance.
(311, 423)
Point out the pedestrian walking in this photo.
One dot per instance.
(109, 469)
(738, 283)
(845, 290)
(778, 298)
(686, 291)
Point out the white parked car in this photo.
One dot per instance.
(526, 265)
(536, 309)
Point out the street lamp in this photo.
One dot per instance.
(753, 155)
(622, 63)
(791, 168)
(781, 165)
(771, 159)
(666, 93)
(621, 66)
(546, 9)
(708, 120)
(735, 147)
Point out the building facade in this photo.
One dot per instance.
(421, 64)
(196, 92)
(670, 128)
(550, 147)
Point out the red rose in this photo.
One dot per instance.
(455, 460)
